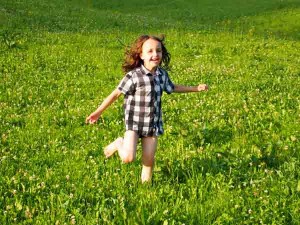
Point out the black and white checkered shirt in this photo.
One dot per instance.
(142, 102)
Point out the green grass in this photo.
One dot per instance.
(228, 156)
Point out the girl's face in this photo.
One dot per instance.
(151, 54)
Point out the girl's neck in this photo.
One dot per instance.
(152, 70)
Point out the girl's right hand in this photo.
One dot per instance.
(91, 119)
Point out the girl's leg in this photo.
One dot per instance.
(149, 145)
(126, 147)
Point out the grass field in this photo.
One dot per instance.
(228, 156)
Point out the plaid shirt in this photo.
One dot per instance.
(142, 102)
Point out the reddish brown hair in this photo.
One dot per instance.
(132, 55)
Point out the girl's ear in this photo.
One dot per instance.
(141, 56)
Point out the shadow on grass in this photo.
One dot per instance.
(237, 169)
(216, 135)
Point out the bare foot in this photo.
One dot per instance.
(110, 149)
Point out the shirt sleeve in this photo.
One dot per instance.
(126, 86)
(169, 86)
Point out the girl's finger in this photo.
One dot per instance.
(92, 121)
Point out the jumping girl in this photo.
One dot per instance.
(143, 85)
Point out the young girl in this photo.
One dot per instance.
(142, 87)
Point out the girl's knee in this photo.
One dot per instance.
(128, 158)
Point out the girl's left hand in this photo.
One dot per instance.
(202, 87)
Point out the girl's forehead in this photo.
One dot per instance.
(151, 43)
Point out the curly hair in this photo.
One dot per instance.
(132, 55)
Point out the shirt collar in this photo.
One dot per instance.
(157, 72)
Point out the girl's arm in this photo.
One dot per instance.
(107, 102)
(185, 89)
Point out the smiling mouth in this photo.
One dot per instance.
(155, 60)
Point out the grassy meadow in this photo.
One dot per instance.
(228, 156)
